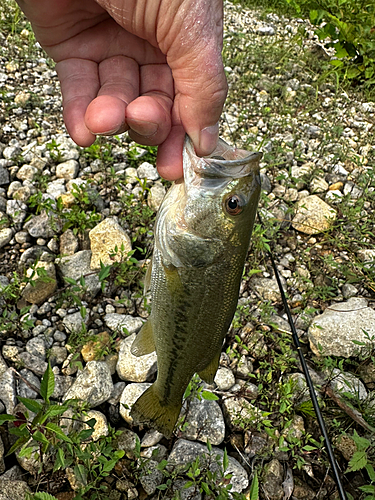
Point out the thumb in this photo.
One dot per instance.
(193, 49)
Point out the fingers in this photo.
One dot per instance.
(149, 116)
(79, 86)
(169, 159)
(119, 85)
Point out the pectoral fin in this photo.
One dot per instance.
(208, 374)
(144, 341)
(147, 281)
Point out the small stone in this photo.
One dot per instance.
(74, 322)
(151, 479)
(67, 200)
(8, 390)
(56, 188)
(43, 286)
(100, 426)
(22, 97)
(17, 210)
(267, 288)
(34, 363)
(203, 421)
(107, 235)
(147, 171)
(332, 333)
(78, 265)
(27, 172)
(346, 445)
(266, 30)
(57, 355)
(13, 490)
(337, 186)
(349, 290)
(133, 368)
(224, 379)
(238, 410)
(272, 480)
(318, 186)
(5, 236)
(93, 385)
(130, 395)
(4, 176)
(313, 215)
(343, 382)
(185, 451)
(151, 438)
(41, 226)
(37, 347)
(68, 243)
(23, 389)
(67, 170)
(94, 349)
(156, 196)
(123, 323)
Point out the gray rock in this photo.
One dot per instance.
(67, 170)
(57, 355)
(184, 452)
(68, 243)
(339, 325)
(272, 480)
(349, 291)
(41, 226)
(62, 385)
(267, 288)
(37, 347)
(56, 188)
(118, 389)
(132, 368)
(33, 363)
(23, 389)
(123, 323)
(3, 365)
(77, 265)
(203, 421)
(368, 257)
(224, 379)
(238, 410)
(8, 390)
(6, 235)
(74, 322)
(127, 441)
(346, 382)
(151, 438)
(147, 171)
(11, 152)
(129, 396)
(93, 385)
(17, 210)
(13, 490)
(152, 478)
(4, 176)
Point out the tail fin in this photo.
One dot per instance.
(147, 409)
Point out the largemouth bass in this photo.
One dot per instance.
(202, 235)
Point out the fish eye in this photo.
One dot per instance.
(234, 204)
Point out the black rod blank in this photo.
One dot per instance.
(331, 455)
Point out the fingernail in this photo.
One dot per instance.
(146, 129)
(208, 138)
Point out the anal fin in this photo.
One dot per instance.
(144, 341)
(208, 374)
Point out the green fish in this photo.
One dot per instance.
(202, 236)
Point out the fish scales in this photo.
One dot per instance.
(202, 236)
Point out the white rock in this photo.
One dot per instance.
(132, 368)
(129, 396)
(93, 385)
(67, 170)
(107, 235)
(313, 215)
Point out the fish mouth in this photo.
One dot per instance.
(224, 161)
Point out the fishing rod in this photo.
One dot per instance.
(331, 455)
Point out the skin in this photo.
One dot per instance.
(152, 67)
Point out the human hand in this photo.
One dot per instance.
(152, 67)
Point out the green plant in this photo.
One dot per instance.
(43, 432)
(347, 27)
(134, 158)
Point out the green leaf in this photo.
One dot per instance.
(26, 452)
(31, 404)
(254, 489)
(58, 432)
(309, 448)
(7, 418)
(358, 461)
(162, 487)
(20, 442)
(47, 384)
(225, 460)
(40, 437)
(361, 442)
(370, 472)
(209, 396)
(109, 465)
(368, 488)
(41, 495)
(80, 473)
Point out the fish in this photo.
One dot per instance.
(202, 236)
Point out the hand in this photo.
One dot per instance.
(152, 67)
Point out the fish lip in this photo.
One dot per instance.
(239, 164)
